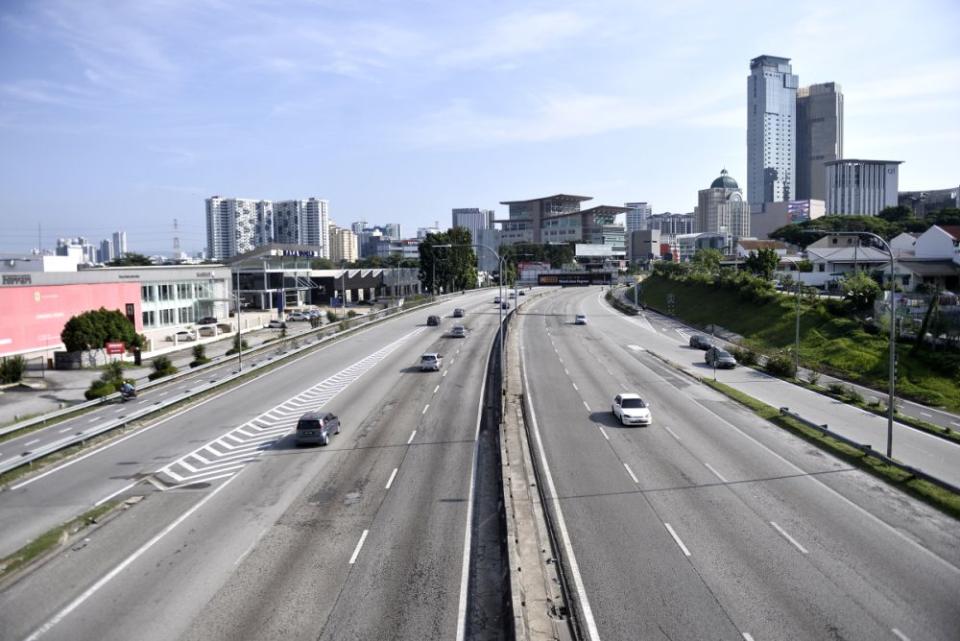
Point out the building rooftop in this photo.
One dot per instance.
(844, 161)
(724, 181)
(560, 197)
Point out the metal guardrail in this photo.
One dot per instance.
(30, 456)
(867, 449)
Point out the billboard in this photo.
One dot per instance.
(575, 279)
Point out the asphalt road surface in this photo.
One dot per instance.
(711, 523)
(243, 535)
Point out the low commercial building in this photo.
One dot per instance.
(861, 187)
(769, 217)
(930, 200)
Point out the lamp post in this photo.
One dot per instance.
(239, 326)
(796, 370)
(893, 319)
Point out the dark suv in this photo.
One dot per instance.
(699, 341)
(433, 321)
(317, 428)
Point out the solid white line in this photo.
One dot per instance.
(425, 408)
(193, 480)
(110, 496)
(89, 592)
(604, 432)
(435, 389)
(393, 475)
(788, 537)
(900, 635)
(29, 443)
(716, 473)
(747, 637)
(356, 551)
(632, 475)
(677, 539)
(672, 433)
(927, 414)
(576, 388)
(412, 434)
(587, 406)
(585, 608)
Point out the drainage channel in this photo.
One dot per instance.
(489, 611)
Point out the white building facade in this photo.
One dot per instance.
(473, 219)
(238, 225)
(861, 187)
(638, 216)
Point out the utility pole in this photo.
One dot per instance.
(796, 373)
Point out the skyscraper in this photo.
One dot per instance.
(302, 222)
(771, 130)
(638, 216)
(119, 244)
(474, 219)
(819, 136)
(722, 210)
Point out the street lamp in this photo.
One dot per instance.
(893, 336)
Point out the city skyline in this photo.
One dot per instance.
(114, 117)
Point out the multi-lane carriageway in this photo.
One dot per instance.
(709, 524)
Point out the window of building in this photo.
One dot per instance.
(149, 319)
(186, 315)
(185, 291)
(148, 293)
(167, 317)
(166, 291)
(821, 267)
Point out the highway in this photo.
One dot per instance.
(711, 523)
(242, 535)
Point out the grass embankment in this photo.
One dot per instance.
(830, 344)
(926, 491)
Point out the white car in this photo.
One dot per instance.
(581, 319)
(630, 409)
(184, 335)
(431, 362)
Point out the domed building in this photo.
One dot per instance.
(721, 209)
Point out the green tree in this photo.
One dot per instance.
(454, 267)
(763, 262)
(707, 260)
(321, 263)
(131, 259)
(12, 369)
(805, 266)
(860, 290)
(92, 329)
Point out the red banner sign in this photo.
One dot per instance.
(116, 348)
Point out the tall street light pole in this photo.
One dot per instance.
(239, 326)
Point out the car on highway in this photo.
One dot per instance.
(431, 362)
(496, 301)
(183, 335)
(317, 428)
(458, 331)
(699, 341)
(630, 409)
(433, 321)
(717, 357)
(458, 312)
(277, 324)
(504, 305)
(580, 319)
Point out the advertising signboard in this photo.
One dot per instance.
(116, 348)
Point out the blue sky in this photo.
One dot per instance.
(126, 115)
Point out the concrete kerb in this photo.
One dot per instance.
(539, 604)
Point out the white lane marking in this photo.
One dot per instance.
(587, 406)
(444, 374)
(412, 434)
(93, 589)
(110, 496)
(575, 387)
(425, 408)
(715, 473)
(677, 539)
(93, 420)
(635, 348)
(246, 552)
(356, 551)
(632, 475)
(452, 361)
(955, 423)
(900, 635)
(29, 443)
(560, 359)
(162, 393)
(672, 433)
(788, 537)
(604, 432)
(747, 637)
(566, 371)
(465, 554)
(435, 389)
(393, 475)
(585, 608)
(927, 414)
(65, 430)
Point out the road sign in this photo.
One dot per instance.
(116, 348)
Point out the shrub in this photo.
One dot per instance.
(113, 374)
(744, 355)
(854, 395)
(12, 369)
(836, 388)
(99, 389)
(344, 326)
(238, 344)
(813, 377)
(331, 316)
(351, 314)
(781, 365)
(199, 356)
(162, 366)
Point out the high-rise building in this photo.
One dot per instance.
(672, 224)
(392, 230)
(861, 187)
(119, 246)
(638, 216)
(473, 219)
(771, 130)
(722, 210)
(105, 253)
(231, 226)
(358, 226)
(302, 222)
(819, 137)
(343, 245)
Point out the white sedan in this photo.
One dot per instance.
(630, 409)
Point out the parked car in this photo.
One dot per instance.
(207, 320)
(513, 294)
(717, 357)
(523, 293)
(433, 321)
(431, 362)
(458, 312)
(317, 428)
(184, 335)
(699, 341)
(277, 324)
(298, 316)
(581, 319)
(207, 330)
(458, 331)
(630, 409)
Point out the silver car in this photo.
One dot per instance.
(317, 428)
(431, 362)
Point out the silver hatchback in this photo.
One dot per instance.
(317, 428)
